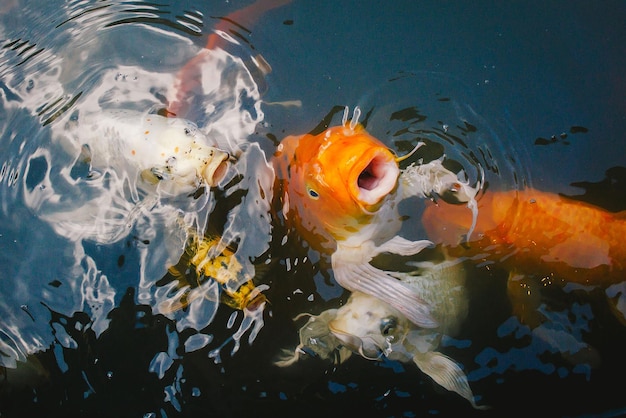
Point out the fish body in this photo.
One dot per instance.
(211, 261)
(372, 328)
(544, 233)
(340, 190)
(541, 239)
(168, 155)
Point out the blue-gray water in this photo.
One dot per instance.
(533, 92)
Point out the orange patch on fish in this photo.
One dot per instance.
(333, 182)
(544, 233)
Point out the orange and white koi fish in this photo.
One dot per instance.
(189, 78)
(367, 326)
(341, 188)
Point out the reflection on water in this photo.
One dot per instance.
(123, 289)
(77, 166)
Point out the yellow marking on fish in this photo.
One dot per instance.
(222, 268)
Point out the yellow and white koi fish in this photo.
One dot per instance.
(341, 189)
(223, 268)
(372, 328)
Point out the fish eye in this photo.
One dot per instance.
(388, 325)
(312, 193)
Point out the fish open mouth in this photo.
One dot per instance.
(216, 169)
(377, 179)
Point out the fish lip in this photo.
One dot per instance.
(376, 178)
(216, 168)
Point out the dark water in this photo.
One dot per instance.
(533, 93)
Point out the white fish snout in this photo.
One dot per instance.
(216, 168)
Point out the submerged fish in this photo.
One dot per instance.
(124, 169)
(210, 261)
(373, 328)
(538, 233)
(189, 78)
(167, 155)
(341, 189)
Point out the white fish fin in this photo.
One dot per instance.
(368, 279)
(447, 373)
(402, 246)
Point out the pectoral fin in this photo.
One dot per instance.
(402, 246)
(447, 373)
(368, 279)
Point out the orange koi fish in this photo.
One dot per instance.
(541, 233)
(190, 76)
(340, 190)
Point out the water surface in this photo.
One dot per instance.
(533, 94)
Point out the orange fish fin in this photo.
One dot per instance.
(244, 18)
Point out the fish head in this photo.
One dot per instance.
(369, 326)
(177, 157)
(335, 181)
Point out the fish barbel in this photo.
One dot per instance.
(340, 189)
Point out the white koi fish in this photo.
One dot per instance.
(372, 328)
